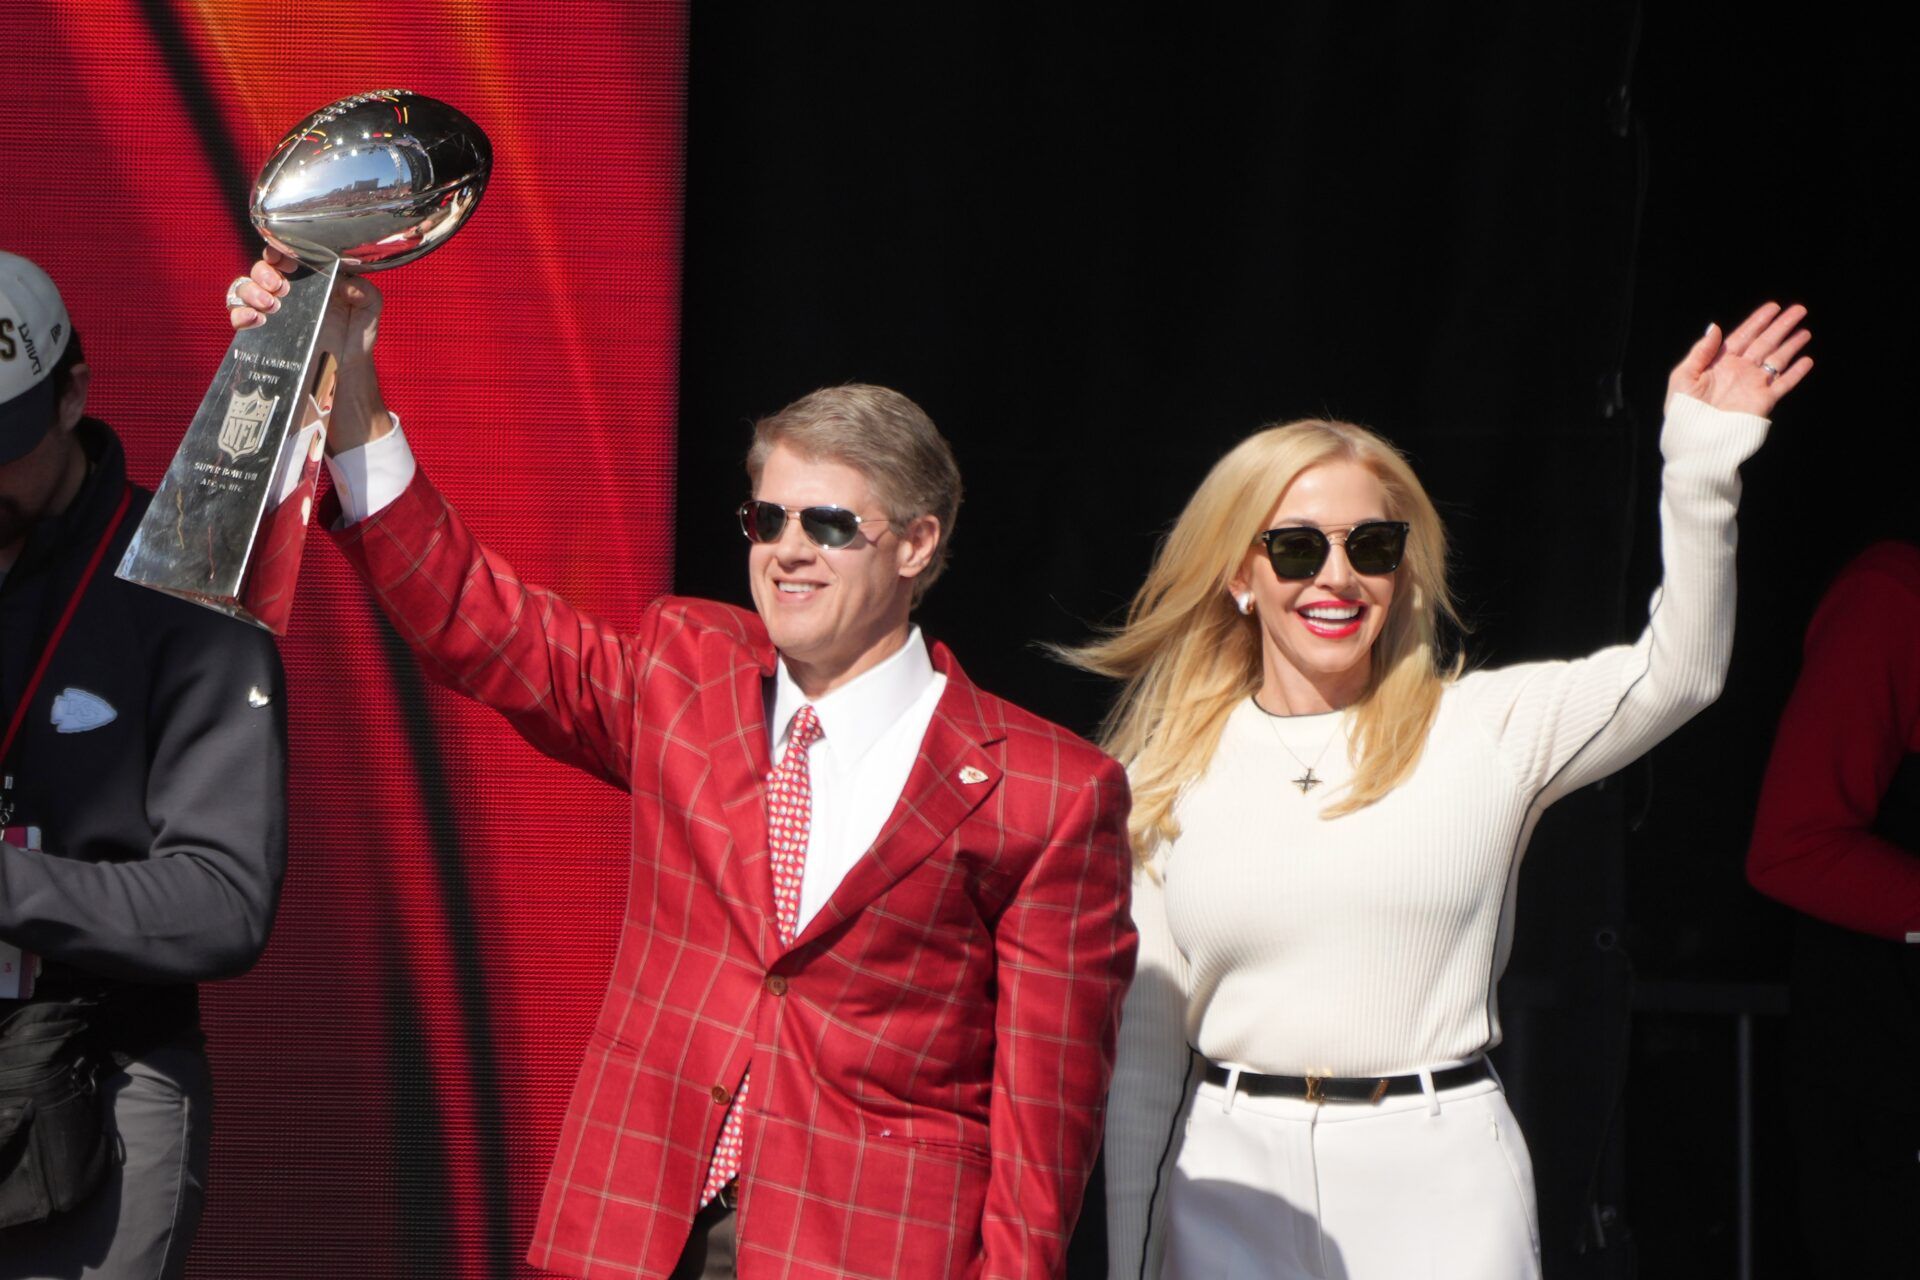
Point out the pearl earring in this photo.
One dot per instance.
(1245, 602)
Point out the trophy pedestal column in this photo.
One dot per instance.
(214, 534)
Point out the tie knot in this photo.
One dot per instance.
(805, 730)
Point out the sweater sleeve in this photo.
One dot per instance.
(198, 901)
(1155, 1073)
(1562, 725)
(1852, 718)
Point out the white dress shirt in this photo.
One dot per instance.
(870, 734)
(369, 478)
(871, 727)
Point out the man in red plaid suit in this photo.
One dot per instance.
(862, 1016)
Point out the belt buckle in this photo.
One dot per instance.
(1317, 1090)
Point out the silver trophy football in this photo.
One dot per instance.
(368, 183)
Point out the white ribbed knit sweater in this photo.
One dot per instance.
(1371, 943)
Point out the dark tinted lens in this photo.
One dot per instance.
(762, 521)
(1376, 547)
(830, 526)
(1296, 553)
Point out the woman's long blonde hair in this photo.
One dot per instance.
(1188, 656)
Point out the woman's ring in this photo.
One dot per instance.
(233, 293)
(1772, 372)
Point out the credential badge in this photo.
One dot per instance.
(246, 426)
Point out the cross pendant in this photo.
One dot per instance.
(1306, 781)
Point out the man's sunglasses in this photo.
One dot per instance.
(824, 526)
(1299, 551)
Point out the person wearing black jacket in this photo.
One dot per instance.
(144, 798)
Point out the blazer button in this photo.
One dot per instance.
(720, 1094)
(777, 985)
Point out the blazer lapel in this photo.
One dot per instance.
(952, 776)
(734, 709)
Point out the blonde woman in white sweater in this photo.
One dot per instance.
(1329, 819)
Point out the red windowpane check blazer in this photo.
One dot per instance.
(930, 1057)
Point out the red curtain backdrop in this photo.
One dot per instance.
(390, 1078)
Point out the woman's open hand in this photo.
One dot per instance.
(1750, 369)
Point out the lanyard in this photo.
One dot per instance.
(53, 642)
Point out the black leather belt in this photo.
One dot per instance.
(1343, 1089)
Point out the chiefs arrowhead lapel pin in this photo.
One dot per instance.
(971, 775)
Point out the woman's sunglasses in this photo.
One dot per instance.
(1299, 551)
(824, 526)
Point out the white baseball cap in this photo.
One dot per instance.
(34, 332)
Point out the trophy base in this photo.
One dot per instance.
(228, 523)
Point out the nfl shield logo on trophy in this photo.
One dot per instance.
(246, 424)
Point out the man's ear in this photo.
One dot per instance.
(72, 405)
(918, 541)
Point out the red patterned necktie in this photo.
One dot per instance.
(789, 814)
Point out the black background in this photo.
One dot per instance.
(1102, 245)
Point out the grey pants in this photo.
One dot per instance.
(140, 1223)
(710, 1247)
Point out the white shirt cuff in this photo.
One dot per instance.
(369, 478)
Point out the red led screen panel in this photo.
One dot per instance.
(390, 1079)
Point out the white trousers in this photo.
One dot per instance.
(1422, 1187)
